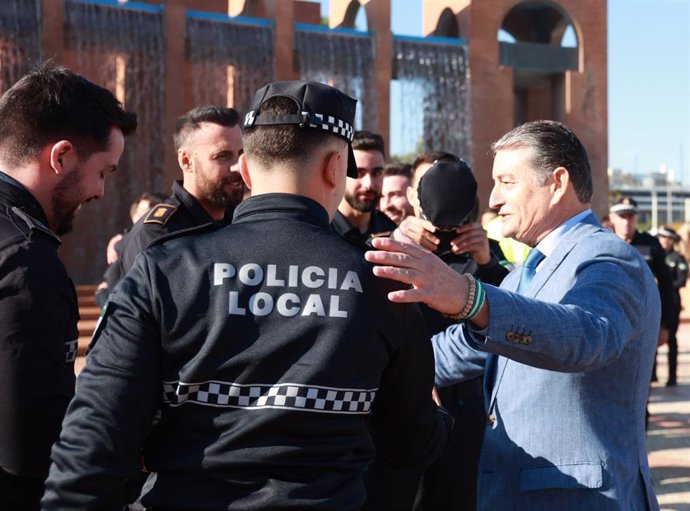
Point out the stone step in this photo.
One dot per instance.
(86, 290)
(86, 327)
(82, 345)
(89, 312)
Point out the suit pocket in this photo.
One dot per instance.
(573, 476)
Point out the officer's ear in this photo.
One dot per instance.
(331, 168)
(184, 160)
(244, 170)
(63, 156)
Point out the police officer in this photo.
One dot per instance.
(624, 215)
(268, 346)
(60, 135)
(357, 218)
(208, 142)
(678, 267)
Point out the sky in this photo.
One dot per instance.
(648, 81)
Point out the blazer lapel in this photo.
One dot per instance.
(496, 365)
(581, 230)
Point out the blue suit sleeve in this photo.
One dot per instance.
(456, 357)
(581, 323)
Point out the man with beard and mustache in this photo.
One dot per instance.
(208, 141)
(60, 136)
(357, 219)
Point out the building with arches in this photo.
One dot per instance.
(532, 76)
(480, 68)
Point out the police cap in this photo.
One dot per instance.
(667, 232)
(624, 206)
(318, 107)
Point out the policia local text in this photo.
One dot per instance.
(287, 304)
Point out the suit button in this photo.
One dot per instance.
(526, 339)
(491, 419)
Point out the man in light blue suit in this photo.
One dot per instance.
(571, 336)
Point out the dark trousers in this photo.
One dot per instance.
(19, 493)
(673, 342)
(450, 483)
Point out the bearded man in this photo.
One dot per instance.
(60, 136)
(357, 219)
(208, 141)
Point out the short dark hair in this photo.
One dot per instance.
(153, 198)
(553, 145)
(282, 142)
(369, 141)
(398, 169)
(191, 121)
(431, 157)
(52, 103)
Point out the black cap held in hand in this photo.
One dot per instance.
(447, 193)
(317, 107)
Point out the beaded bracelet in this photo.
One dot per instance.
(476, 296)
(479, 301)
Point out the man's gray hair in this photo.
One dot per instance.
(552, 145)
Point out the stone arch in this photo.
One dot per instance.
(541, 22)
(537, 28)
(447, 25)
(350, 13)
(249, 8)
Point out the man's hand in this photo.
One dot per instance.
(432, 281)
(420, 231)
(436, 397)
(110, 252)
(472, 238)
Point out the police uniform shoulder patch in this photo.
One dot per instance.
(160, 214)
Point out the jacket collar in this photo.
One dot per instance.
(15, 194)
(192, 205)
(287, 205)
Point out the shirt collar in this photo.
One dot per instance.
(551, 241)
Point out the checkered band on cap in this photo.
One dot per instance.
(330, 123)
(250, 118)
(290, 396)
(305, 119)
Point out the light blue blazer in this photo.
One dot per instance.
(567, 379)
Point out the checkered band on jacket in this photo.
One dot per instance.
(284, 395)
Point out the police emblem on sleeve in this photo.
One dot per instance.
(160, 214)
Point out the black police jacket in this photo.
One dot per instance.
(38, 334)
(379, 225)
(654, 254)
(270, 349)
(179, 212)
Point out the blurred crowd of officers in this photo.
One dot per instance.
(431, 203)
